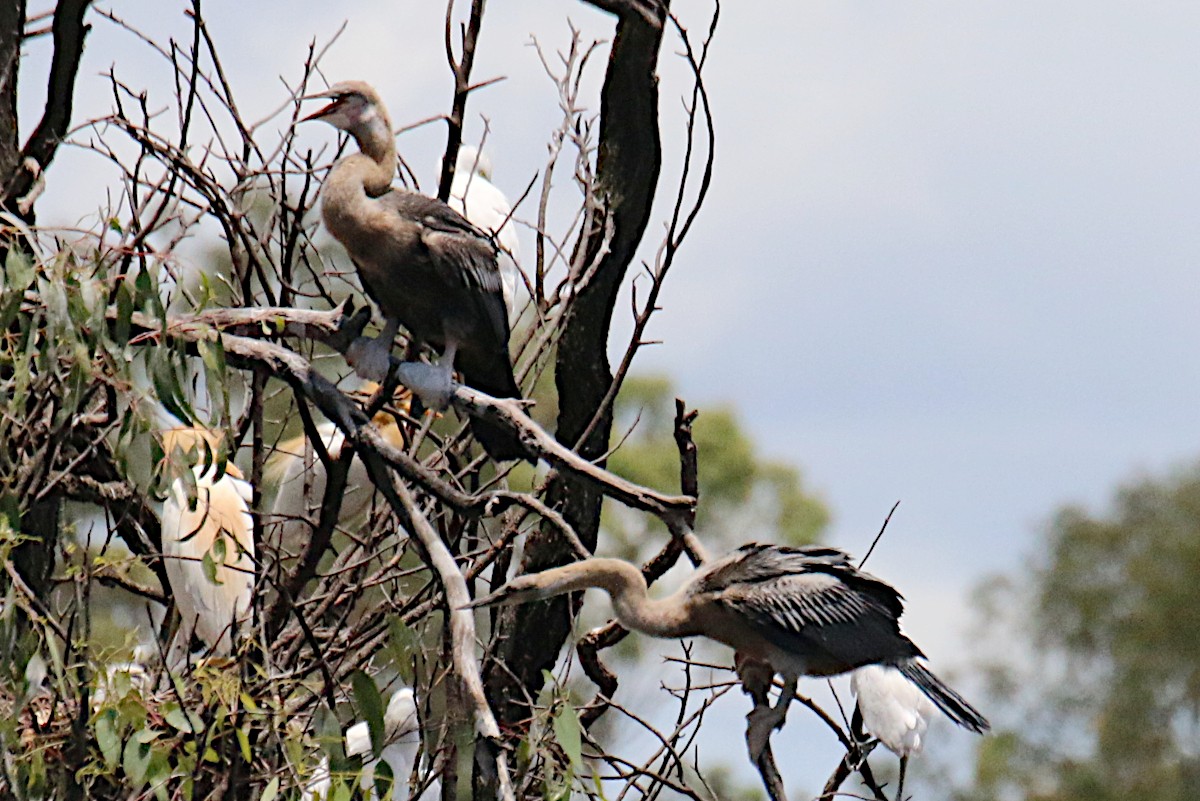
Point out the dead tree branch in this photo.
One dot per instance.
(69, 33)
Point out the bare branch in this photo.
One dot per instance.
(461, 68)
(69, 33)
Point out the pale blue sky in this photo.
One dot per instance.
(949, 257)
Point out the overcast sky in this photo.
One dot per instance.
(949, 257)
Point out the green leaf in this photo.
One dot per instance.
(219, 550)
(18, 269)
(108, 738)
(341, 791)
(180, 719)
(384, 780)
(143, 285)
(524, 753)
(370, 706)
(167, 388)
(328, 732)
(10, 304)
(569, 734)
(124, 314)
(158, 773)
(212, 354)
(136, 761)
(146, 736)
(272, 790)
(405, 644)
(243, 738)
(210, 567)
(10, 510)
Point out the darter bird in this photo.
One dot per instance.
(425, 265)
(207, 543)
(801, 611)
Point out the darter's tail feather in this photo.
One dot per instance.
(951, 703)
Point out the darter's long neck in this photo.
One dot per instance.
(667, 618)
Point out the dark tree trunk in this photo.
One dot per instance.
(12, 23)
(35, 559)
(69, 32)
(530, 637)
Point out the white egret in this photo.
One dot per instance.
(894, 710)
(299, 478)
(207, 544)
(474, 196)
(402, 741)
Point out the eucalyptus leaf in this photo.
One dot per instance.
(107, 736)
(243, 738)
(405, 644)
(370, 706)
(209, 567)
(569, 733)
(135, 762)
(181, 719)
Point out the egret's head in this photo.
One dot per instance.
(352, 105)
(193, 445)
(473, 160)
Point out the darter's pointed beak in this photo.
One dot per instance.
(324, 110)
(486, 600)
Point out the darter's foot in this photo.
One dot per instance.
(761, 721)
(432, 383)
(370, 358)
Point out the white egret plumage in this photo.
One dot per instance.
(298, 476)
(893, 710)
(402, 742)
(135, 674)
(207, 543)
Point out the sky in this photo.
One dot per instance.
(948, 258)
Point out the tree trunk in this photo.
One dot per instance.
(530, 637)
(12, 23)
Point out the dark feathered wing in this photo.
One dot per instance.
(813, 603)
(462, 298)
(462, 260)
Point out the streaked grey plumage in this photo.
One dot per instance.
(801, 611)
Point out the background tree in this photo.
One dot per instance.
(21, 166)
(1110, 692)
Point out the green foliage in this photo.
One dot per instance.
(554, 744)
(370, 707)
(743, 493)
(1115, 613)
